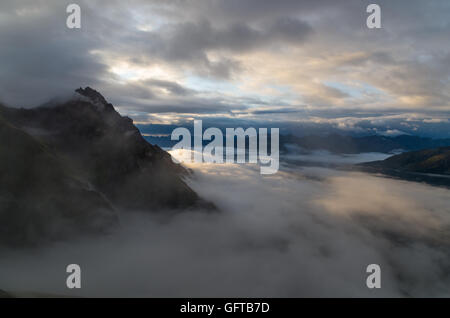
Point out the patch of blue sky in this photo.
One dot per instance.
(359, 89)
(203, 84)
(283, 96)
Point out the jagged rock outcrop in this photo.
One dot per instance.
(40, 197)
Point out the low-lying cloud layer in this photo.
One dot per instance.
(301, 232)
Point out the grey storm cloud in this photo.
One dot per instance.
(41, 58)
(240, 37)
(189, 42)
(187, 106)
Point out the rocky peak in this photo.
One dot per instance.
(77, 163)
(95, 97)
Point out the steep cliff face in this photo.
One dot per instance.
(74, 164)
(41, 198)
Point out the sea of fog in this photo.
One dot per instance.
(305, 231)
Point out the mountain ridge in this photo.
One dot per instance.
(431, 161)
(342, 144)
(81, 148)
(431, 166)
(334, 143)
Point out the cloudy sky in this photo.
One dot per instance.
(298, 64)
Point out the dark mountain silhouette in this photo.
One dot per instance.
(435, 161)
(350, 145)
(430, 165)
(4, 294)
(71, 166)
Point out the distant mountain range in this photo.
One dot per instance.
(335, 143)
(351, 145)
(69, 167)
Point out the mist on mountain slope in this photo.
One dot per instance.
(301, 232)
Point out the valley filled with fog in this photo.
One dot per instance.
(305, 231)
